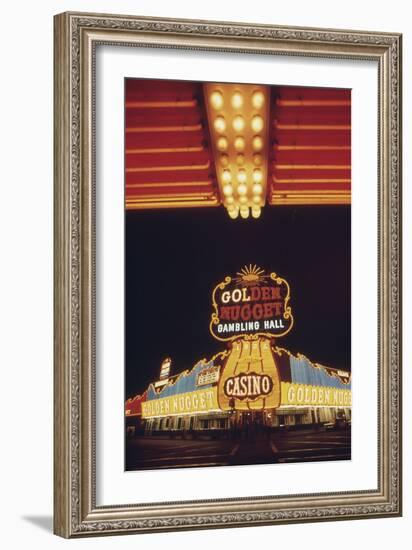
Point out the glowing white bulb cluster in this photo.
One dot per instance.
(237, 115)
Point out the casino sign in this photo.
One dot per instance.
(252, 303)
(248, 385)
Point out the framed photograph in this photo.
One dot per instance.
(227, 274)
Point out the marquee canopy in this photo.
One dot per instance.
(171, 159)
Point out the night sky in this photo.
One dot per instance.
(174, 259)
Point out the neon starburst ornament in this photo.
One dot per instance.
(250, 275)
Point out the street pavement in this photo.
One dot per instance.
(144, 453)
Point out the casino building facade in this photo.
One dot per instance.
(251, 385)
(244, 148)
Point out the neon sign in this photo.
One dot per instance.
(249, 385)
(251, 303)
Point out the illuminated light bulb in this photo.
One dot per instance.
(239, 144)
(257, 159)
(229, 200)
(237, 100)
(220, 124)
(257, 175)
(257, 143)
(257, 123)
(243, 199)
(232, 208)
(224, 160)
(240, 159)
(239, 123)
(242, 189)
(216, 99)
(257, 200)
(256, 211)
(226, 176)
(257, 189)
(241, 176)
(258, 99)
(222, 144)
(244, 212)
(227, 190)
(234, 214)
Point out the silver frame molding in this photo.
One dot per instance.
(76, 37)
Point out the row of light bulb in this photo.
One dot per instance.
(241, 189)
(239, 143)
(228, 116)
(237, 101)
(238, 123)
(241, 193)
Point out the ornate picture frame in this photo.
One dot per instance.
(77, 35)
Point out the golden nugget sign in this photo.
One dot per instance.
(252, 303)
(301, 394)
(190, 402)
